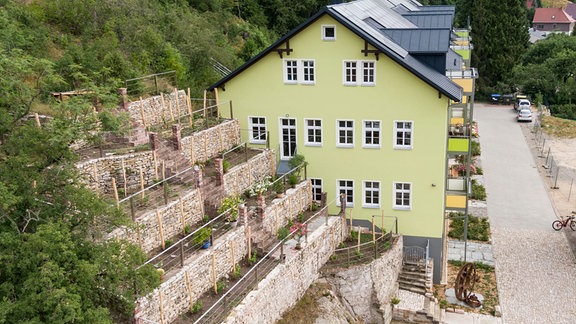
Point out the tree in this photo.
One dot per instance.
(500, 37)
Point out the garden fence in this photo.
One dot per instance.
(559, 177)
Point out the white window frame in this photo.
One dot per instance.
(346, 129)
(371, 129)
(308, 71)
(404, 131)
(403, 191)
(355, 72)
(316, 189)
(373, 187)
(299, 71)
(328, 38)
(252, 126)
(350, 72)
(314, 129)
(348, 188)
(290, 70)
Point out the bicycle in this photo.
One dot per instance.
(558, 224)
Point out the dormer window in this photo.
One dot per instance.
(328, 32)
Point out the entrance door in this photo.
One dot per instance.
(288, 138)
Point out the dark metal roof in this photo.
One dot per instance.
(431, 20)
(354, 15)
(421, 40)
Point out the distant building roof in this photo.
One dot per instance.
(551, 15)
(571, 9)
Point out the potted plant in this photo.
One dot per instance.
(260, 187)
(202, 237)
(230, 204)
(293, 179)
(278, 187)
(298, 231)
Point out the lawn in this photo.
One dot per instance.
(559, 127)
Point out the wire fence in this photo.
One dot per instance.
(217, 312)
(559, 176)
(151, 84)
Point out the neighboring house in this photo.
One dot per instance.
(552, 19)
(360, 90)
(571, 9)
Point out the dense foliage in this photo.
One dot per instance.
(500, 37)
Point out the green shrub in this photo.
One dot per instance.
(478, 191)
(225, 166)
(478, 228)
(283, 233)
(196, 307)
(475, 148)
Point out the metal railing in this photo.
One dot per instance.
(217, 312)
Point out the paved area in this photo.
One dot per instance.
(534, 264)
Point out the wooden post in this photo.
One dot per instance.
(189, 289)
(189, 104)
(214, 278)
(233, 257)
(216, 96)
(249, 242)
(358, 229)
(124, 176)
(350, 222)
(177, 104)
(182, 214)
(161, 230)
(163, 107)
(155, 165)
(142, 183)
(204, 104)
(115, 193)
(161, 307)
(170, 110)
(142, 113)
(192, 159)
(373, 230)
(382, 229)
(37, 118)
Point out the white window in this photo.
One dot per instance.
(346, 187)
(359, 73)
(316, 189)
(403, 134)
(371, 131)
(308, 71)
(290, 71)
(257, 129)
(313, 129)
(345, 133)
(350, 71)
(402, 195)
(371, 194)
(368, 72)
(299, 71)
(328, 32)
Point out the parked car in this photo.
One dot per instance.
(521, 103)
(524, 114)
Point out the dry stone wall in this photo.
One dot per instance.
(283, 209)
(242, 177)
(177, 294)
(206, 144)
(286, 284)
(159, 109)
(98, 173)
(156, 226)
(364, 287)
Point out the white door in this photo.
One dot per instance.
(287, 138)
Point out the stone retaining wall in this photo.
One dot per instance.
(161, 109)
(242, 177)
(98, 173)
(283, 209)
(209, 143)
(367, 289)
(153, 229)
(288, 282)
(177, 294)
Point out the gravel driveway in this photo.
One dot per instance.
(535, 268)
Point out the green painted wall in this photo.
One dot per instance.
(397, 95)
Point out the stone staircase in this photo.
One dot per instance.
(415, 278)
(174, 161)
(417, 308)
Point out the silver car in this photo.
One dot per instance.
(525, 114)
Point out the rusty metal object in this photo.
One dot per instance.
(465, 284)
